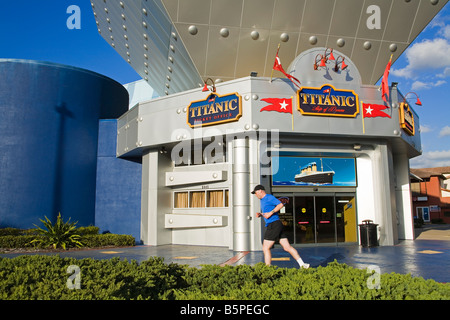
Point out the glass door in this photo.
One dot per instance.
(304, 220)
(346, 222)
(287, 216)
(423, 213)
(327, 218)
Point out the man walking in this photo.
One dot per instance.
(270, 206)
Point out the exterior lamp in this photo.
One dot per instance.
(322, 62)
(330, 56)
(205, 88)
(418, 102)
(343, 65)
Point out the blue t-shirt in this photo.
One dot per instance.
(268, 203)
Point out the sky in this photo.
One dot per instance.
(424, 68)
(37, 30)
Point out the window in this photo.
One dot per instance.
(415, 188)
(215, 198)
(197, 199)
(201, 199)
(181, 200)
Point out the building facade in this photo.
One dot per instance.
(431, 194)
(204, 151)
(49, 129)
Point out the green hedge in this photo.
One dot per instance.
(45, 277)
(89, 240)
(39, 277)
(109, 239)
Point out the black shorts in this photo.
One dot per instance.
(274, 231)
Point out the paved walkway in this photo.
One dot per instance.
(428, 256)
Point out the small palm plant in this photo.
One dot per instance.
(59, 235)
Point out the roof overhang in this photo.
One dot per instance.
(176, 45)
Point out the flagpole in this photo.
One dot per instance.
(362, 108)
(292, 113)
(271, 75)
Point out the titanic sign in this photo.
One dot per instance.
(327, 101)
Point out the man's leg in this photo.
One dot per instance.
(288, 248)
(267, 245)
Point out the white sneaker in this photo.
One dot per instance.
(305, 266)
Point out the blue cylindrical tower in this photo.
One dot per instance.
(49, 122)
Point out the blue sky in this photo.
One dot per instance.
(37, 30)
(424, 68)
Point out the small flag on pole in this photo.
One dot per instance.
(282, 105)
(372, 111)
(279, 105)
(385, 83)
(277, 66)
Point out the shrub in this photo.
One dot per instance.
(24, 241)
(418, 222)
(59, 235)
(88, 230)
(333, 282)
(109, 239)
(89, 241)
(10, 232)
(45, 277)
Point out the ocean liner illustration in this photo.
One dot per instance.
(309, 174)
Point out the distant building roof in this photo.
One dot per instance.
(428, 172)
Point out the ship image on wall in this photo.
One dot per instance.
(292, 170)
(309, 174)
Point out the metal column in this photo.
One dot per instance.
(241, 195)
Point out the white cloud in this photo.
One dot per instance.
(446, 32)
(445, 131)
(431, 159)
(426, 55)
(444, 74)
(424, 128)
(420, 85)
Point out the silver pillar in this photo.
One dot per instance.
(241, 195)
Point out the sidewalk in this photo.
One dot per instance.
(427, 257)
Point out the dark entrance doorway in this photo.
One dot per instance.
(314, 219)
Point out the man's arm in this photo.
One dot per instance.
(267, 215)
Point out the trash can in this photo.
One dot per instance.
(368, 234)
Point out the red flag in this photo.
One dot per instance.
(278, 105)
(385, 83)
(374, 110)
(277, 66)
